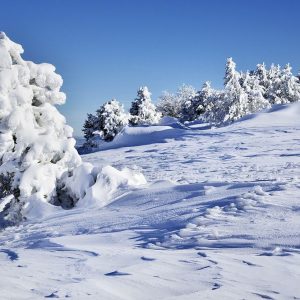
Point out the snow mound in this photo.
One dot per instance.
(97, 187)
(141, 135)
(278, 115)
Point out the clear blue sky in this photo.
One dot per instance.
(107, 49)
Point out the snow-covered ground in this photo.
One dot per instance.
(218, 219)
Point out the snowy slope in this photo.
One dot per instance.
(218, 219)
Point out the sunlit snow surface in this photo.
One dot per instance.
(218, 219)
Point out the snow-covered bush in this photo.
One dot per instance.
(36, 145)
(111, 119)
(143, 111)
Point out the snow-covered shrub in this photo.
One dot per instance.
(36, 145)
(143, 111)
(111, 119)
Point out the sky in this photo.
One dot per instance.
(108, 49)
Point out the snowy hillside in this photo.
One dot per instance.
(218, 218)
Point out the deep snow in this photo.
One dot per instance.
(217, 219)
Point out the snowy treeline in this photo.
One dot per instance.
(40, 168)
(243, 93)
(110, 118)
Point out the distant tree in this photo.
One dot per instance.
(261, 74)
(185, 97)
(290, 87)
(142, 109)
(235, 98)
(169, 105)
(202, 100)
(89, 128)
(110, 120)
(256, 99)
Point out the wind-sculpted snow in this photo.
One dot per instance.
(218, 219)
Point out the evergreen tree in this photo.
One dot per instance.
(202, 100)
(261, 75)
(273, 92)
(36, 146)
(111, 119)
(168, 105)
(89, 127)
(142, 109)
(185, 97)
(256, 99)
(235, 100)
(290, 87)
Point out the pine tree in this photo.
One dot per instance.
(202, 99)
(290, 88)
(273, 92)
(235, 100)
(36, 146)
(143, 111)
(89, 127)
(185, 96)
(168, 105)
(256, 99)
(261, 75)
(111, 119)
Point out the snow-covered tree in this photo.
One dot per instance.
(256, 99)
(214, 108)
(202, 100)
(290, 87)
(185, 97)
(169, 105)
(110, 120)
(236, 99)
(89, 127)
(36, 146)
(261, 74)
(143, 111)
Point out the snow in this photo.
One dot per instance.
(215, 215)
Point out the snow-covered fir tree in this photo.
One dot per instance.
(261, 74)
(110, 120)
(169, 105)
(235, 100)
(185, 97)
(202, 100)
(89, 127)
(289, 87)
(143, 111)
(257, 101)
(36, 146)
